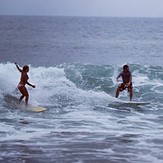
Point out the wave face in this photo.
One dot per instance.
(79, 125)
(80, 81)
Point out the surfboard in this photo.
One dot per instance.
(13, 103)
(136, 103)
(133, 104)
(36, 108)
(30, 107)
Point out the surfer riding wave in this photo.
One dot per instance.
(127, 81)
(23, 81)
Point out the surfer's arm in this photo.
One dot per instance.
(118, 77)
(18, 67)
(30, 84)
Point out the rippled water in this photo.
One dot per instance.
(74, 63)
(79, 124)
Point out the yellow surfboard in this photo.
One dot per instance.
(12, 102)
(36, 108)
(31, 108)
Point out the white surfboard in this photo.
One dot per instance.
(135, 103)
(119, 104)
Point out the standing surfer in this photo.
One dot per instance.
(23, 81)
(127, 81)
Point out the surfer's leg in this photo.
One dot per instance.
(130, 91)
(26, 97)
(120, 88)
(24, 93)
(117, 93)
(131, 94)
(26, 100)
(21, 98)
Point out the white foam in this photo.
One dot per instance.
(49, 82)
(8, 77)
(52, 82)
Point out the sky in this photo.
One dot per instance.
(107, 8)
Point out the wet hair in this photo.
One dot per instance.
(125, 67)
(25, 67)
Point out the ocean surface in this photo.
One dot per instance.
(73, 63)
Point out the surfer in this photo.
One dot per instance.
(127, 81)
(23, 81)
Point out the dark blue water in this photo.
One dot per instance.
(73, 63)
(52, 41)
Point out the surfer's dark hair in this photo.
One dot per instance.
(25, 67)
(125, 66)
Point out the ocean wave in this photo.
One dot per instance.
(83, 83)
(78, 114)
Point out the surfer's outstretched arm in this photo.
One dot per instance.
(18, 67)
(31, 84)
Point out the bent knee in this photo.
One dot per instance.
(27, 95)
